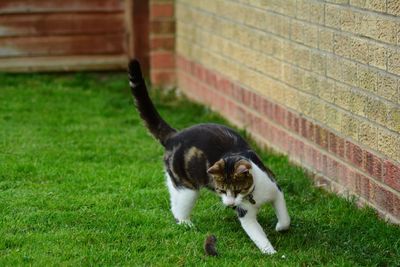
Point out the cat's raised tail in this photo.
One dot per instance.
(154, 122)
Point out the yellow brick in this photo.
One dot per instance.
(289, 7)
(377, 55)
(359, 51)
(387, 30)
(311, 36)
(293, 76)
(333, 117)
(242, 17)
(179, 11)
(388, 86)
(318, 62)
(284, 27)
(252, 40)
(274, 68)
(343, 96)
(270, 5)
(318, 111)
(343, 2)
(389, 144)
(394, 117)
(226, 31)
(278, 6)
(287, 51)
(303, 10)
(359, 22)
(350, 126)
(374, 5)
(394, 61)
(393, 7)
(253, 17)
(326, 90)
(297, 31)
(310, 83)
(332, 16)
(317, 10)
(301, 56)
(325, 40)
(183, 47)
(291, 98)
(368, 135)
(376, 110)
(378, 27)
(398, 93)
(333, 67)
(358, 103)
(367, 78)
(349, 72)
(347, 20)
(367, 25)
(276, 45)
(288, 74)
(305, 104)
(342, 45)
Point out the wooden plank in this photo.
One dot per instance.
(130, 38)
(141, 33)
(69, 63)
(44, 6)
(61, 24)
(62, 45)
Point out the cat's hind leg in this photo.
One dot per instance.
(182, 202)
(281, 212)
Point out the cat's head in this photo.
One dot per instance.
(232, 179)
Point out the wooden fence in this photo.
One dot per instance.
(60, 35)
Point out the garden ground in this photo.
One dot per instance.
(81, 183)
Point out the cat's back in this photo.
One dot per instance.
(191, 151)
(209, 137)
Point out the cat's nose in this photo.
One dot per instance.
(228, 201)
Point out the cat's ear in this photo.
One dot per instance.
(242, 167)
(217, 169)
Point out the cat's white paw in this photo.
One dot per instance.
(282, 226)
(186, 223)
(268, 250)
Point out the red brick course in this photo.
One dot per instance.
(162, 60)
(392, 175)
(161, 10)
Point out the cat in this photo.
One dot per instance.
(216, 157)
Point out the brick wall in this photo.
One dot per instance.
(162, 42)
(317, 80)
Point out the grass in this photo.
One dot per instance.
(81, 183)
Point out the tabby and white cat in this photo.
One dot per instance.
(215, 157)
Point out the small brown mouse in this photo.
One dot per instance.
(209, 246)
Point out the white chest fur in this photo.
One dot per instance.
(265, 191)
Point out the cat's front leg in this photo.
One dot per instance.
(281, 212)
(248, 220)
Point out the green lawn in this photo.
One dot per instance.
(81, 183)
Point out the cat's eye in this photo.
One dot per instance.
(222, 191)
(237, 192)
